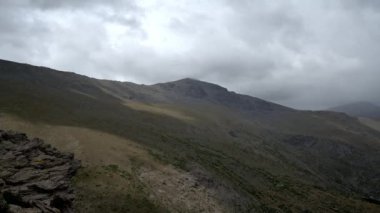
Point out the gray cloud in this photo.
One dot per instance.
(361, 4)
(305, 54)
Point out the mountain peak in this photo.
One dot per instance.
(209, 92)
(193, 81)
(187, 80)
(192, 88)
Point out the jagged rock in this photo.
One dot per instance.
(34, 177)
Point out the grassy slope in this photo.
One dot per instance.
(118, 169)
(250, 159)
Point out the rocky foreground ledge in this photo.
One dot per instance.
(34, 177)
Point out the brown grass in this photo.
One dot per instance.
(159, 109)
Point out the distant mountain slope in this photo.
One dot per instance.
(252, 154)
(375, 124)
(359, 109)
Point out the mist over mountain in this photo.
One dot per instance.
(360, 109)
(190, 145)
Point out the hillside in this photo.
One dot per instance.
(193, 146)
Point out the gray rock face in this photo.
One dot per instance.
(34, 177)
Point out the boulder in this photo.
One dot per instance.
(34, 177)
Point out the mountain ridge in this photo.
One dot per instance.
(190, 87)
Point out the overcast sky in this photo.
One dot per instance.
(308, 54)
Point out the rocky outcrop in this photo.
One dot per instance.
(34, 177)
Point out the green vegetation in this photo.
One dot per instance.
(122, 193)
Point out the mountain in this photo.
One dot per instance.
(193, 146)
(359, 109)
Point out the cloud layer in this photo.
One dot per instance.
(304, 54)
